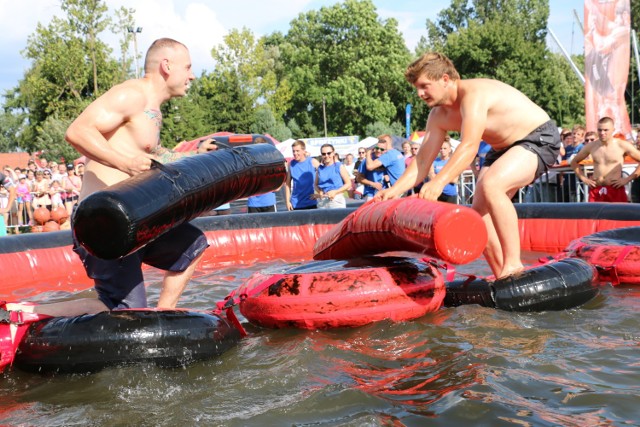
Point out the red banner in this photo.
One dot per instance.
(607, 49)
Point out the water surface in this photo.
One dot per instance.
(464, 366)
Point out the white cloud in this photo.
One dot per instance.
(197, 26)
(202, 24)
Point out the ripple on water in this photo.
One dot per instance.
(463, 366)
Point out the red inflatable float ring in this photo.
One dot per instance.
(614, 253)
(329, 294)
(452, 233)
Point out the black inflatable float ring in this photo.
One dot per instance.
(558, 285)
(91, 342)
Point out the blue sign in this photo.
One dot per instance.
(408, 125)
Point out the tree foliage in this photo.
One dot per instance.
(121, 25)
(343, 61)
(70, 66)
(87, 19)
(505, 40)
(10, 128)
(351, 59)
(52, 143)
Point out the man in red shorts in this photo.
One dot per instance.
(607, 183)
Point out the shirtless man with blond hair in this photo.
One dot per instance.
(607, 183)
(524, 142)
(120, 135)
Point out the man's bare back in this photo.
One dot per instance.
(510, 115)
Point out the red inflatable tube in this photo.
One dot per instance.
(452, 233)
(329, 294)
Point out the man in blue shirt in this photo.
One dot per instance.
(301, 178)
(262, 203)
(372, 180)
(388, 157)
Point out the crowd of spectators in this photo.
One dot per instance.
(375, 168)
(323, 182)
(378, 167)
(42, 183)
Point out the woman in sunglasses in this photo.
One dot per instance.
(332, 180)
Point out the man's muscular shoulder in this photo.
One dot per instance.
(128, 97)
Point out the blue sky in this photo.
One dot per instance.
(202, 24)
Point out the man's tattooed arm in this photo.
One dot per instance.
(164, 155)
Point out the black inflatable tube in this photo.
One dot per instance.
(625, 236)
(89, 343)
(560, 285)
(592, 211)
(126, 216)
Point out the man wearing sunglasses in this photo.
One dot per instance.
(389, 158)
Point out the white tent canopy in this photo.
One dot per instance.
(314, 150)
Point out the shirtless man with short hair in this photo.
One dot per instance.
(607, 183)
(120, 135)
(523, 139)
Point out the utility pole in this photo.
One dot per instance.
(135, 32)
(324, 115)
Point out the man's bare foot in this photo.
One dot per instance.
(510, 271)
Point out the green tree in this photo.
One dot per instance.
(123, 21)
(11, 125)
(184, 118)
(70, 66)
(505, 40)
(353, 60)
(51, 139)
(530, 16)
(87, 19)
(265, 122)
(255, 64)
(216, 102)
(381, 128)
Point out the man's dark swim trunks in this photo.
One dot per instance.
(543, 141)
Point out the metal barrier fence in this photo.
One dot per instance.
(560, 184)
(14, 220)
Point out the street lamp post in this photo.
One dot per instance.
(135, 32)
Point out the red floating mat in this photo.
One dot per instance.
(329, 294)
(452, 233)
(614, 253)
